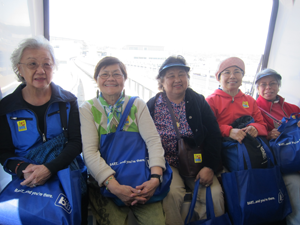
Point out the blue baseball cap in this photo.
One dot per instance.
(267, 72)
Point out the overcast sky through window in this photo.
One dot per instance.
(219, 26)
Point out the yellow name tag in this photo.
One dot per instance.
(198, 158)
(245, 104)
(22, 125)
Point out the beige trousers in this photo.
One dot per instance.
(172, 203)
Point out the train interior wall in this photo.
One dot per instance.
(285, 50)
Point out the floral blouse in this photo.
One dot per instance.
(165, 128)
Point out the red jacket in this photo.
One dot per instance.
(287, 108)
(227, 109)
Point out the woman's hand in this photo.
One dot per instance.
(298, 123)
(237, 134)
(206, 176)
(251, 130)
(125, 193)
(273, 134)
(35, 175)
(147, 190)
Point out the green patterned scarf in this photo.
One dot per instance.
(112, 111)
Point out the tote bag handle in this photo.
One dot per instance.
(209, 204)
(243, 153)
(287, 122)
(126, 113)
(172, 115)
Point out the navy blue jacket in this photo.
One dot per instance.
(20, 130)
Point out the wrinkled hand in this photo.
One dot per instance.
(206, 176)
(124, 193)
(35, 175)
(147, 190)
(251, 130)
(237, 134)
(273, 134)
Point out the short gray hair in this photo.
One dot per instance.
(33, 43)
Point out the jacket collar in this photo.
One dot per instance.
(267, 105)
(225, 95)
(15, 101)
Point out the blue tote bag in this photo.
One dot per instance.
(210, 214)
(286, 146)
(230, 148)
(255, 196)
(126, 153)
(58, 201)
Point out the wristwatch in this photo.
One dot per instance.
(159, 177)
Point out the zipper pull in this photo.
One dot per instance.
(44, 137)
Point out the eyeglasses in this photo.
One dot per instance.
(264, 85)
(34, 65)
(236, 73)
(173, 76)
(105, 76)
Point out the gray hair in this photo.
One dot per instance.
(33, 43)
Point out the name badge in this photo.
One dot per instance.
(198, 158)
(22, 125)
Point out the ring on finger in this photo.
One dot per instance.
(33, 185)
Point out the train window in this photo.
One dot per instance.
(144, 33)
(17, 21)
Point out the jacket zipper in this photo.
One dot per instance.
(38, 127)
(56, 112)
(45, 124)
(51, 114)
(20, 118)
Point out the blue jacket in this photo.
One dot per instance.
(24, 128)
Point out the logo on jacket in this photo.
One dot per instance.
(245, 104)
(198, 158)
(22, 125)
(63, 202)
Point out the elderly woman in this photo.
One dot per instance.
(268, 82)
(195, 121)
(101, 115)
(30, 116)
(229, 103)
